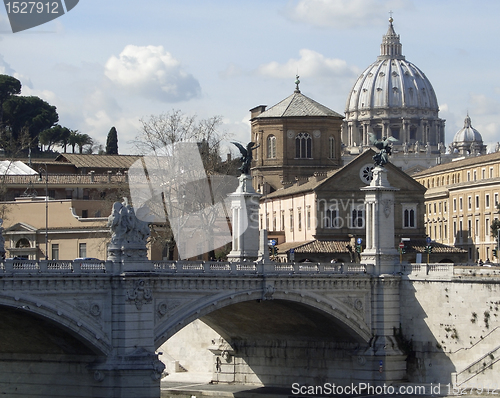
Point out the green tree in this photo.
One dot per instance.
(73, 139)
(112, 142)
(9, 86)
(82, 140)
(54, 135)
(31, 113)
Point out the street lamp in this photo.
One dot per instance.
(40, 171)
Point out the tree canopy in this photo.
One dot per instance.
(112, 142)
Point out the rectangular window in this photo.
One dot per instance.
(491, 172)
(357, 220)
(475, 175)
(291, 219)
(274, 221)
(483, 174)
(331, 218)
(82, 250)
(477, 201)
(55, 251)
(282, 220)
(454, 204)
(476, 230)
(461, 227)
(487, 200)
(85, 213)
(468, 176)
(461, 203)
(409, 216)
(469, 228)
(496, 199)
(299, 218)
(308, 217)
(445, 231)
(445, 205)
(487, 227)
(469, 202)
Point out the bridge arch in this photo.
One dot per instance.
(76, 336)
(315, 308)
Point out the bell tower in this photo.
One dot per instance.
(297, 138)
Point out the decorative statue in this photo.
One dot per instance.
(405, 148)
(126, 228)
(246, 156)
(417, 147)
(441, 147)
(385, 147)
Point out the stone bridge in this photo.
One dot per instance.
(93, 328)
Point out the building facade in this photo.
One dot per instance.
(460, 203)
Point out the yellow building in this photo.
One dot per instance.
(55, 229)
(460, 203)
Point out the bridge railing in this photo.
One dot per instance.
(258, 267)
(181, 267)
(55, 266)
(428, 270)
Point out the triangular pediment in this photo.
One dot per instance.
(21, 227)
(357, 174)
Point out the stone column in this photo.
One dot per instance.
(380, 224)
(387, 359)
(245, 222)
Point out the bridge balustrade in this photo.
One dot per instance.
(182, 267)
(54, 266)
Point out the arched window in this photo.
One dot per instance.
(331, 147)
(303, 146)
(23, 243)
(271, 147)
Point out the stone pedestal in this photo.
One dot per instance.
(245, 221)
(379, 200)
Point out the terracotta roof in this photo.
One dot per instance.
(468, 161)
(418, 245)
(98, 161)
(298, 104)
(324, 246)
(339, 246)
(305, 187)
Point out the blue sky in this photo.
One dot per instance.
(112, 62)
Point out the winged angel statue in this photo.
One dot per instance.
(246, 156)
(385, 147)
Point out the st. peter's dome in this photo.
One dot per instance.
(393, 97)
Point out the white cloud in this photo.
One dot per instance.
(153, 73)
(342, 13)
(310, 64)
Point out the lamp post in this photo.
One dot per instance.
(40, 171)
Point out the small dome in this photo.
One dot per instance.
(467, 134)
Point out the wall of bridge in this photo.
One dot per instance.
(450, 319)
